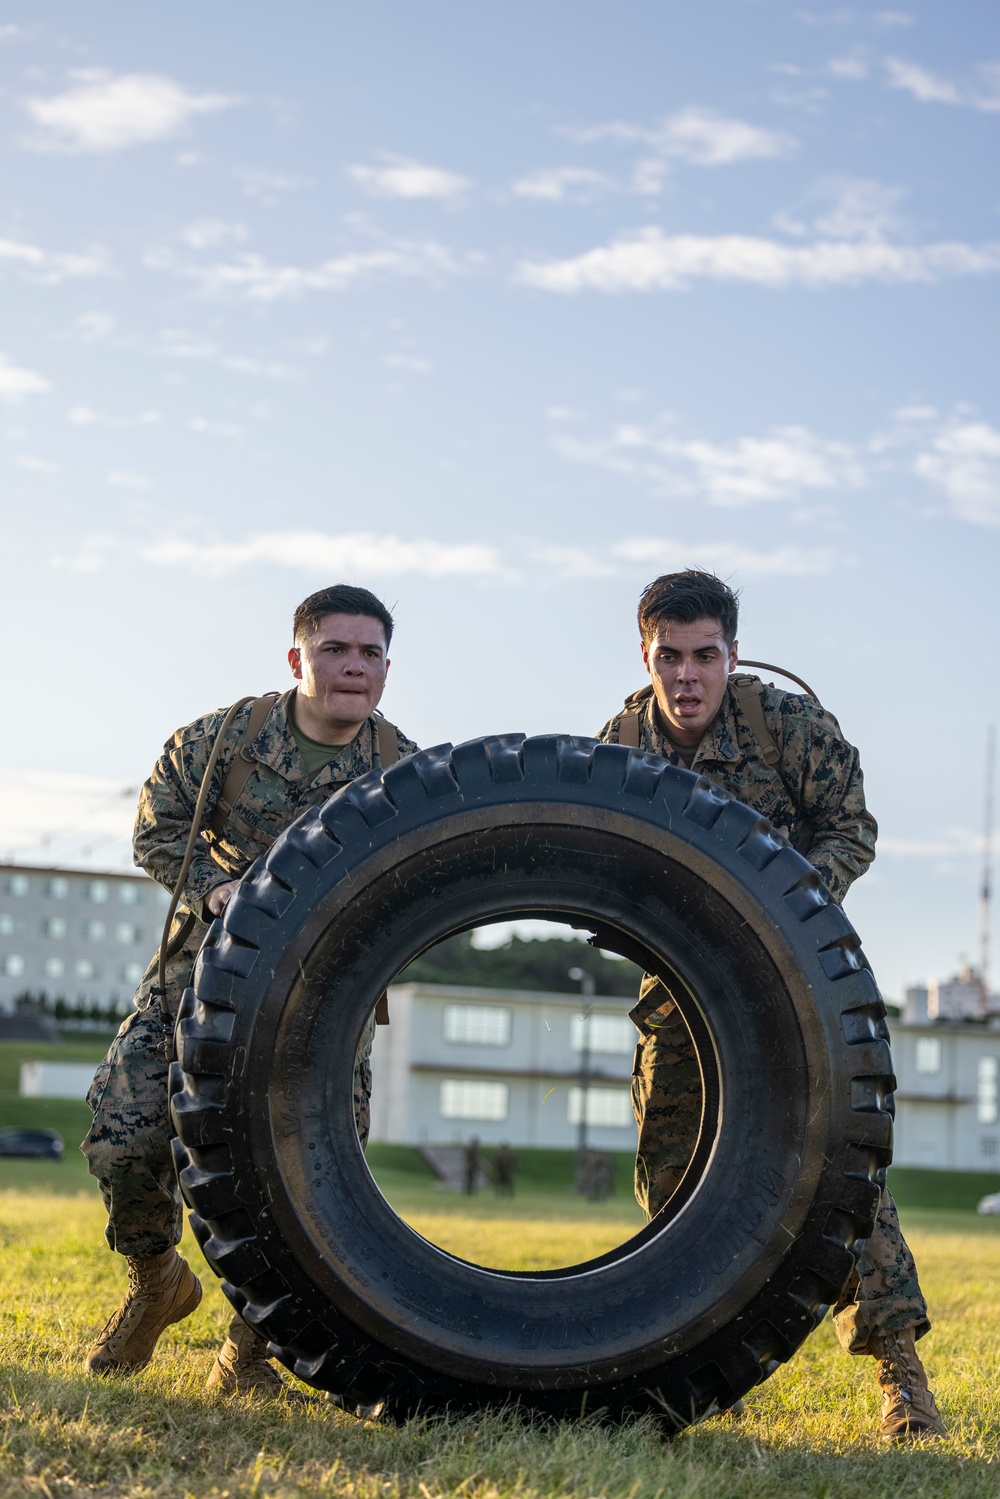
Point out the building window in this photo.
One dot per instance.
(607, 1033)
(987, 1091)
(127, 933)
(129, 895)
(54, 968)
(13, 965)
(86, 968)
(132, 973)
(464, 1098)
(17, 884)
(55, 927)
(477, 1025)
(988, 1146)
(928, 1054)
(606, 1107)
(95, 930)
(97, 891)
(8, 924)
(57, 887)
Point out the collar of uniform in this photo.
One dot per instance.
(275, 747)
(720, 742)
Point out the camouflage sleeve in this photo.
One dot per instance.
(823, 771)
(609, 734)
(406, 746)
(166, 807)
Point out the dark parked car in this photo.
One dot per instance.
(40, 1144)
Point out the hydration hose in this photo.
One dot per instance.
(782, 672)
(168, 948)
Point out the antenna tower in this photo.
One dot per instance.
(985, 889)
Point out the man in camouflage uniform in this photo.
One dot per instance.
(784, 755)
(314, 740)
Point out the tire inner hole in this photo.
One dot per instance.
(503, 1101)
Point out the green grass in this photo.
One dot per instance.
(811, 1430)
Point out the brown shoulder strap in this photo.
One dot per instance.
(628, 727)
(242, 767)
(385, 742)
(749, 691)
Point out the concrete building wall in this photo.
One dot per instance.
(947, 1103)
(438, 1080)
(82, 937)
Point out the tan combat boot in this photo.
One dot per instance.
(242, 1367)
(162, 1288)
(908, 1407)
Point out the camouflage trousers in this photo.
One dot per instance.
(128, 1146)
(883, 1294)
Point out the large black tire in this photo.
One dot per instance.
(713, 1294)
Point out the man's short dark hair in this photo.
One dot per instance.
(687, 597)
(341, 598)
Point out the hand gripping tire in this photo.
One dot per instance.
(726, 1282)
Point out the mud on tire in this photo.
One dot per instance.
(722, 1286)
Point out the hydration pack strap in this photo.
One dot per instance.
(385, 743)
(749, 692)
(242, 767)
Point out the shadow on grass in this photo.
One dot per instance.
(157, 1432)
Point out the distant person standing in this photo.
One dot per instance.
(505, 1169)
(471, 1181)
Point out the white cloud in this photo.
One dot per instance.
(94, 327)
(930, 88)
(17, 382)
(400, 177)
(86, 416)
(857, 208)
(107, 113)
(252, 277)
(956, 455)
(52, 267)
(726, 559)
(699, 136)
(212, 234)
(268, 187)
(179, 343)
(359, 553)
(125, 479)
(366, 554)
(853, 67)
(786, 465)
(962, 460)
(925, 86)
(411, 362)
(649, 260)
(956, 843)
(215, 429)
(562, 184)
(888, 20)
(37, 465)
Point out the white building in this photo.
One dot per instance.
(73, 935)
(947, 1082)
(502, 1065)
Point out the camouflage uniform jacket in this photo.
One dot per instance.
(815, 795)
(277, 791)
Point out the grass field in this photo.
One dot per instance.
(810, 1430)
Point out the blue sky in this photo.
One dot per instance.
(502, 310)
